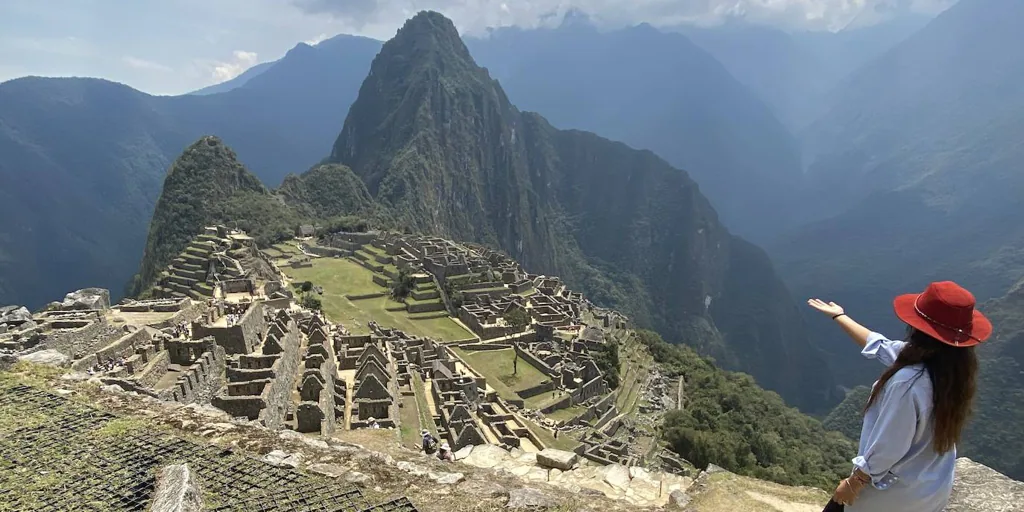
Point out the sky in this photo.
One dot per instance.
(177, 46)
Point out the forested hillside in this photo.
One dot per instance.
(730, 421)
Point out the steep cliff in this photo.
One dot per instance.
(439, 144)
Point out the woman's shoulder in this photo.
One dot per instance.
(911, 377)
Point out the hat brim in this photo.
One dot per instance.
(981, 327)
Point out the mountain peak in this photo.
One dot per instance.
(428, 33)
(206, 185)
(419, 76)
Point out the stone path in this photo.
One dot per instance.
(634, 485)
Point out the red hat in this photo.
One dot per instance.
(945, 311)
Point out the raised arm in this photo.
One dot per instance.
(857, 332)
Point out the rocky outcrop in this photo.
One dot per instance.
(177, 490)
(558, 459)
(87, 298)
(14, 315)
(980, 488)
(529, 499)
(48, 356)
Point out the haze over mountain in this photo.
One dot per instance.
(438, 143)
(84, 158)
(915, 172)
(793, 72)
(657, 91)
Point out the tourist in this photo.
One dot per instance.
(373, 423)
(917, 410)
(429, 442)
(445, 453)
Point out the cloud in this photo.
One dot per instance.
(476, 15)
(144, 64)
(317, 40)
(241, 61)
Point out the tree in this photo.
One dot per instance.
(402, 286)
(306, 286)
(311, 302)
(607, 360)
(516, 320)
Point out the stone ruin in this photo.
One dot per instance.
(602, 449)
(374, 384)
(73, 328)
(219, 261)
(323, 395)
(262, 362)
(456, 397)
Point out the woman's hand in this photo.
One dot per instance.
(847, 491)
(830, 309)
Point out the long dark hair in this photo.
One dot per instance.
(952, 371)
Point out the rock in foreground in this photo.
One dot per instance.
(558, 459)
(177, 491)
(980, 487)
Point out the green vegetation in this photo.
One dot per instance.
(564, 442)
(846, 417)
(566, 414)
(517, 319)
(496, 366)
(340, 277)
(425, 415)
(993, 435)
(403, 286)
(608, 362)
(544, 399)
(730, 421)
(326, 191)
(310, 301)
(409, 421)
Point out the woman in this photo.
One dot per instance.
(445, 453)
(918, 407)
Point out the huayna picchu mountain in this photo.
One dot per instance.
(440, 146)
(208, 185)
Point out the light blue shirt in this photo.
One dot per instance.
(896, 442)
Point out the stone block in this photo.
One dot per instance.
(558, 459)
(617, 476)
(48, 356)
(487, 456)
(529, 499)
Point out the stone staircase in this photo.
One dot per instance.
(189, 273)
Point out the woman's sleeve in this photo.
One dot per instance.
(881, 348)
(892, 434)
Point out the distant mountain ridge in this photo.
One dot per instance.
(658, 91)
(439, 144)
(84, 158)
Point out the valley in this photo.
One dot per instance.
(575, 253)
